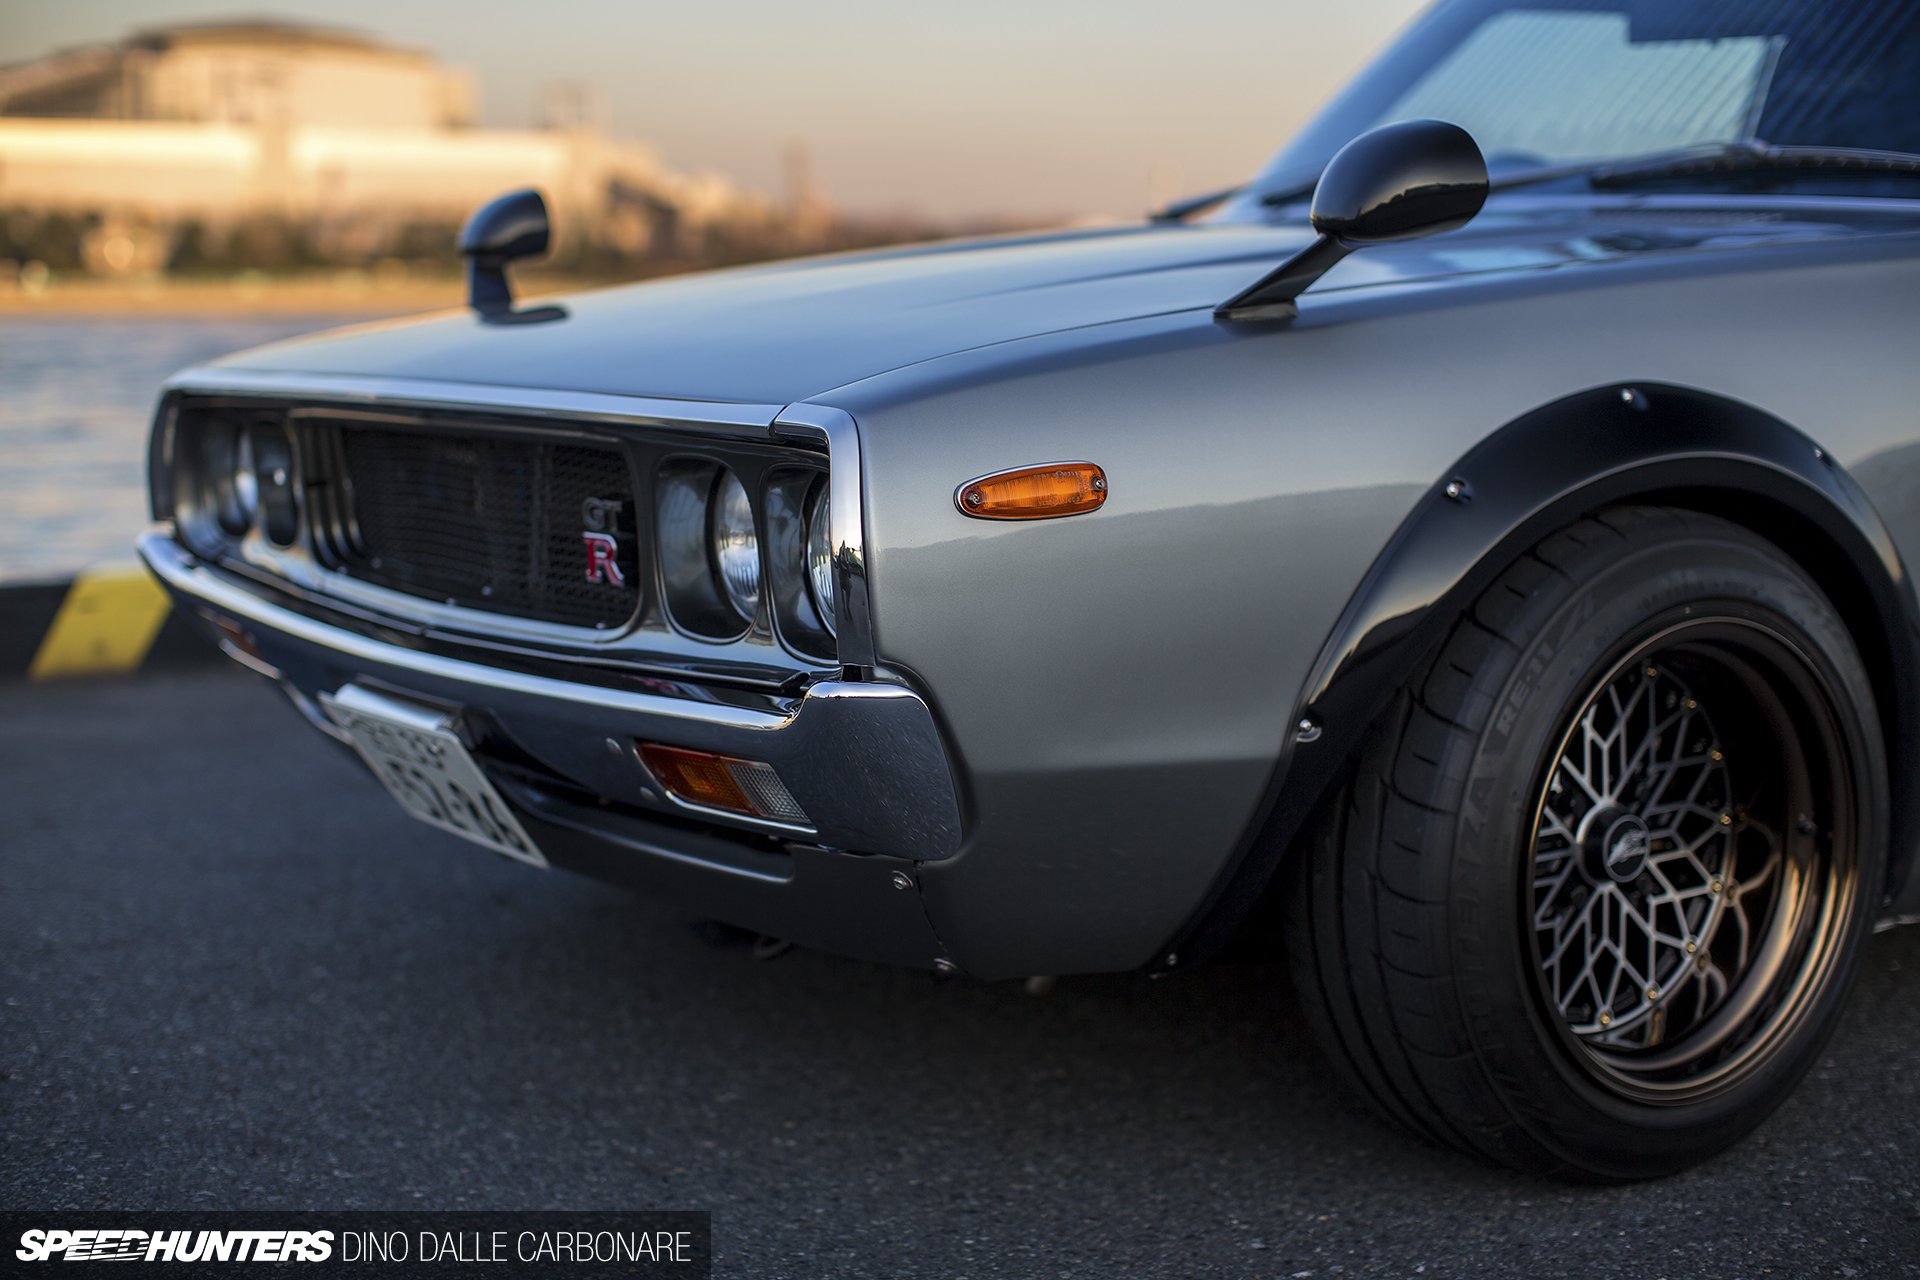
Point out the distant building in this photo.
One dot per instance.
(243, 73)
(221, 121)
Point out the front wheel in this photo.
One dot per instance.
(1593, 898)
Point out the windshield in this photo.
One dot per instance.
(1563, 82)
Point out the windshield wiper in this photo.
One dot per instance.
(1749, 156)
(1184, 209)
(1758, 157)
(1290, 195)
(1181, 210)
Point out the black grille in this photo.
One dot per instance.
(489, 523)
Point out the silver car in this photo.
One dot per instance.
(1474, 553)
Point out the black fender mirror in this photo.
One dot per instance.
(1397, 182)
(501, 231)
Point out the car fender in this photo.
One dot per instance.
(1643, 443)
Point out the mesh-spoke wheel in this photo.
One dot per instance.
(1594, 894)
(1688, 881)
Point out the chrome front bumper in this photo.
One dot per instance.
(863, 758)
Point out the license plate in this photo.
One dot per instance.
(414, 750)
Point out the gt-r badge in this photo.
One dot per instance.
(604, 519)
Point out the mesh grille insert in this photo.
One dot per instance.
(487, 523)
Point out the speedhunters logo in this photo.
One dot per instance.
(91, 1245)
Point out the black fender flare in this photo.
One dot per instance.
(1642, 442)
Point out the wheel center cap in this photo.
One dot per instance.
(1624, 848)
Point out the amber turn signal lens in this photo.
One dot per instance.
(1034, 493)
(722, 782)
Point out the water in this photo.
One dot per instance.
(76, 399)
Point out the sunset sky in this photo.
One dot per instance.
(1015, 107)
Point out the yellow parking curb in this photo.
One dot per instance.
(105, 625)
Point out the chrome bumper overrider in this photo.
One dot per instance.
(863, 758)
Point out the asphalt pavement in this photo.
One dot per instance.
(232, 975)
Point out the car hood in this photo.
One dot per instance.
(776, 334)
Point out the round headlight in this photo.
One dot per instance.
(736, 547)
(820, 554)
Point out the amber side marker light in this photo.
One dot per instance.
(731, 785)
(1034, 493)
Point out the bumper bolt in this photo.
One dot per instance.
(901, 880)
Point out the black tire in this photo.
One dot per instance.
(1445, 917)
